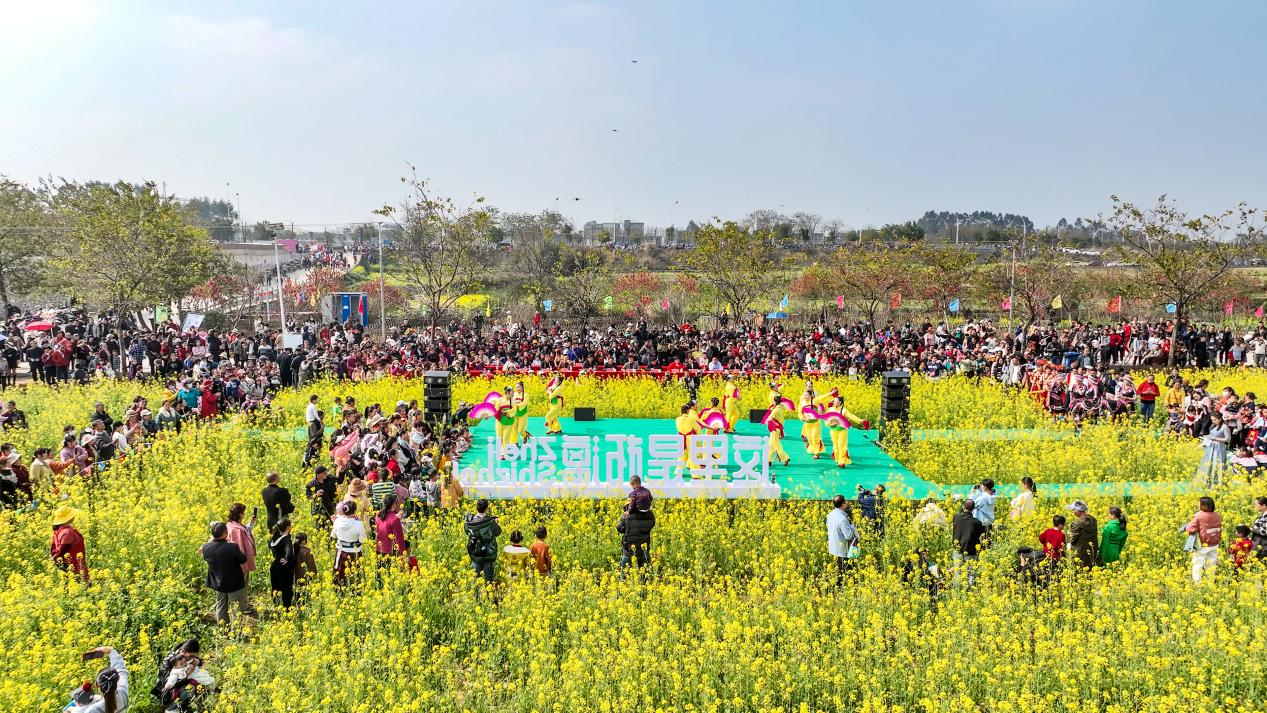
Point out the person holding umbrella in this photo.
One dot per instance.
(68, 548)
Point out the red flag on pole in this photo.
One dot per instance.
(1259, 312)
(895, 301)
(1115, 305)
(1007, 304)
(664, 304)
(360, 306)
(840, 301)
(1227, 308)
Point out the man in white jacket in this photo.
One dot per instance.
(841, 535)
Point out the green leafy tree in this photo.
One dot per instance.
(216, 215)
(24, 242)
(585, 278)
(1184, 259)
(738, 266)
(128, 247)
(441, 250)
(901, 232)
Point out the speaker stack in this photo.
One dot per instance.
(437, 402)
(895, 405)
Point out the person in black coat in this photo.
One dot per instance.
(635, 538)
(283, 367)
(281, 573)
(277, 504)
(224, 572)
(966, 532)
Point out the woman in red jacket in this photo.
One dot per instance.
(68, 549)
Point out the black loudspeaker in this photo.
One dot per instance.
(436, 404)
(583, 413)
(756, 414)
(895, 406)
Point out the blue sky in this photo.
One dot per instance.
(866, 112)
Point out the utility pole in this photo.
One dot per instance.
(382, 288)
(274, 229)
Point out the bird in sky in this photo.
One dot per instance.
(634, 61)
(615, 130)
(576, 199)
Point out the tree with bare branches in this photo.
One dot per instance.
(869, 276)
(442, 250)
(1184, 259)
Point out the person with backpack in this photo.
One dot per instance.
(482, 530)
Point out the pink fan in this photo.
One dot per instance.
(717, 421)
(836, 418)
(482, 411)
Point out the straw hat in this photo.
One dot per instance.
(356, 488)
(64, 514)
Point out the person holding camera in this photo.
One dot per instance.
(111, 684)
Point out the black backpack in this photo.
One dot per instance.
(477, 547)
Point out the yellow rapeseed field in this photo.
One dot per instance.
(739, 610)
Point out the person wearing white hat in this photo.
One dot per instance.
(68, 549)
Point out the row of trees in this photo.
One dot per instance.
(111, 246)
(123, 246)
(737, 267)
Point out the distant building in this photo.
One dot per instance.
(626, 232)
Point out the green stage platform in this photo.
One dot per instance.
(804, 479)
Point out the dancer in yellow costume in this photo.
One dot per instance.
(839, 431)
(730, 402)
(713, 408)
(774, 422)
(554, 396)
(521, 414)
(775, 391)
(505, 419)
(811, 426)
(687, 425)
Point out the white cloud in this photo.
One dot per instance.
(22, 15)
(245, 40)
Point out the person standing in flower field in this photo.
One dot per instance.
(1241, 547)
(1207, 526)
(224, 572)
(320, 492)
(1053, 539)
(842, 536)
(1148, 392)
(482, 530)
(1258, 531)
(983, 499)
(244, 537)
(68, 549)
(966, 531)
(1113, 537)
(277, 504)
(1084, 534)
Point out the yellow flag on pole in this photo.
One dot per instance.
(1056, 302)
